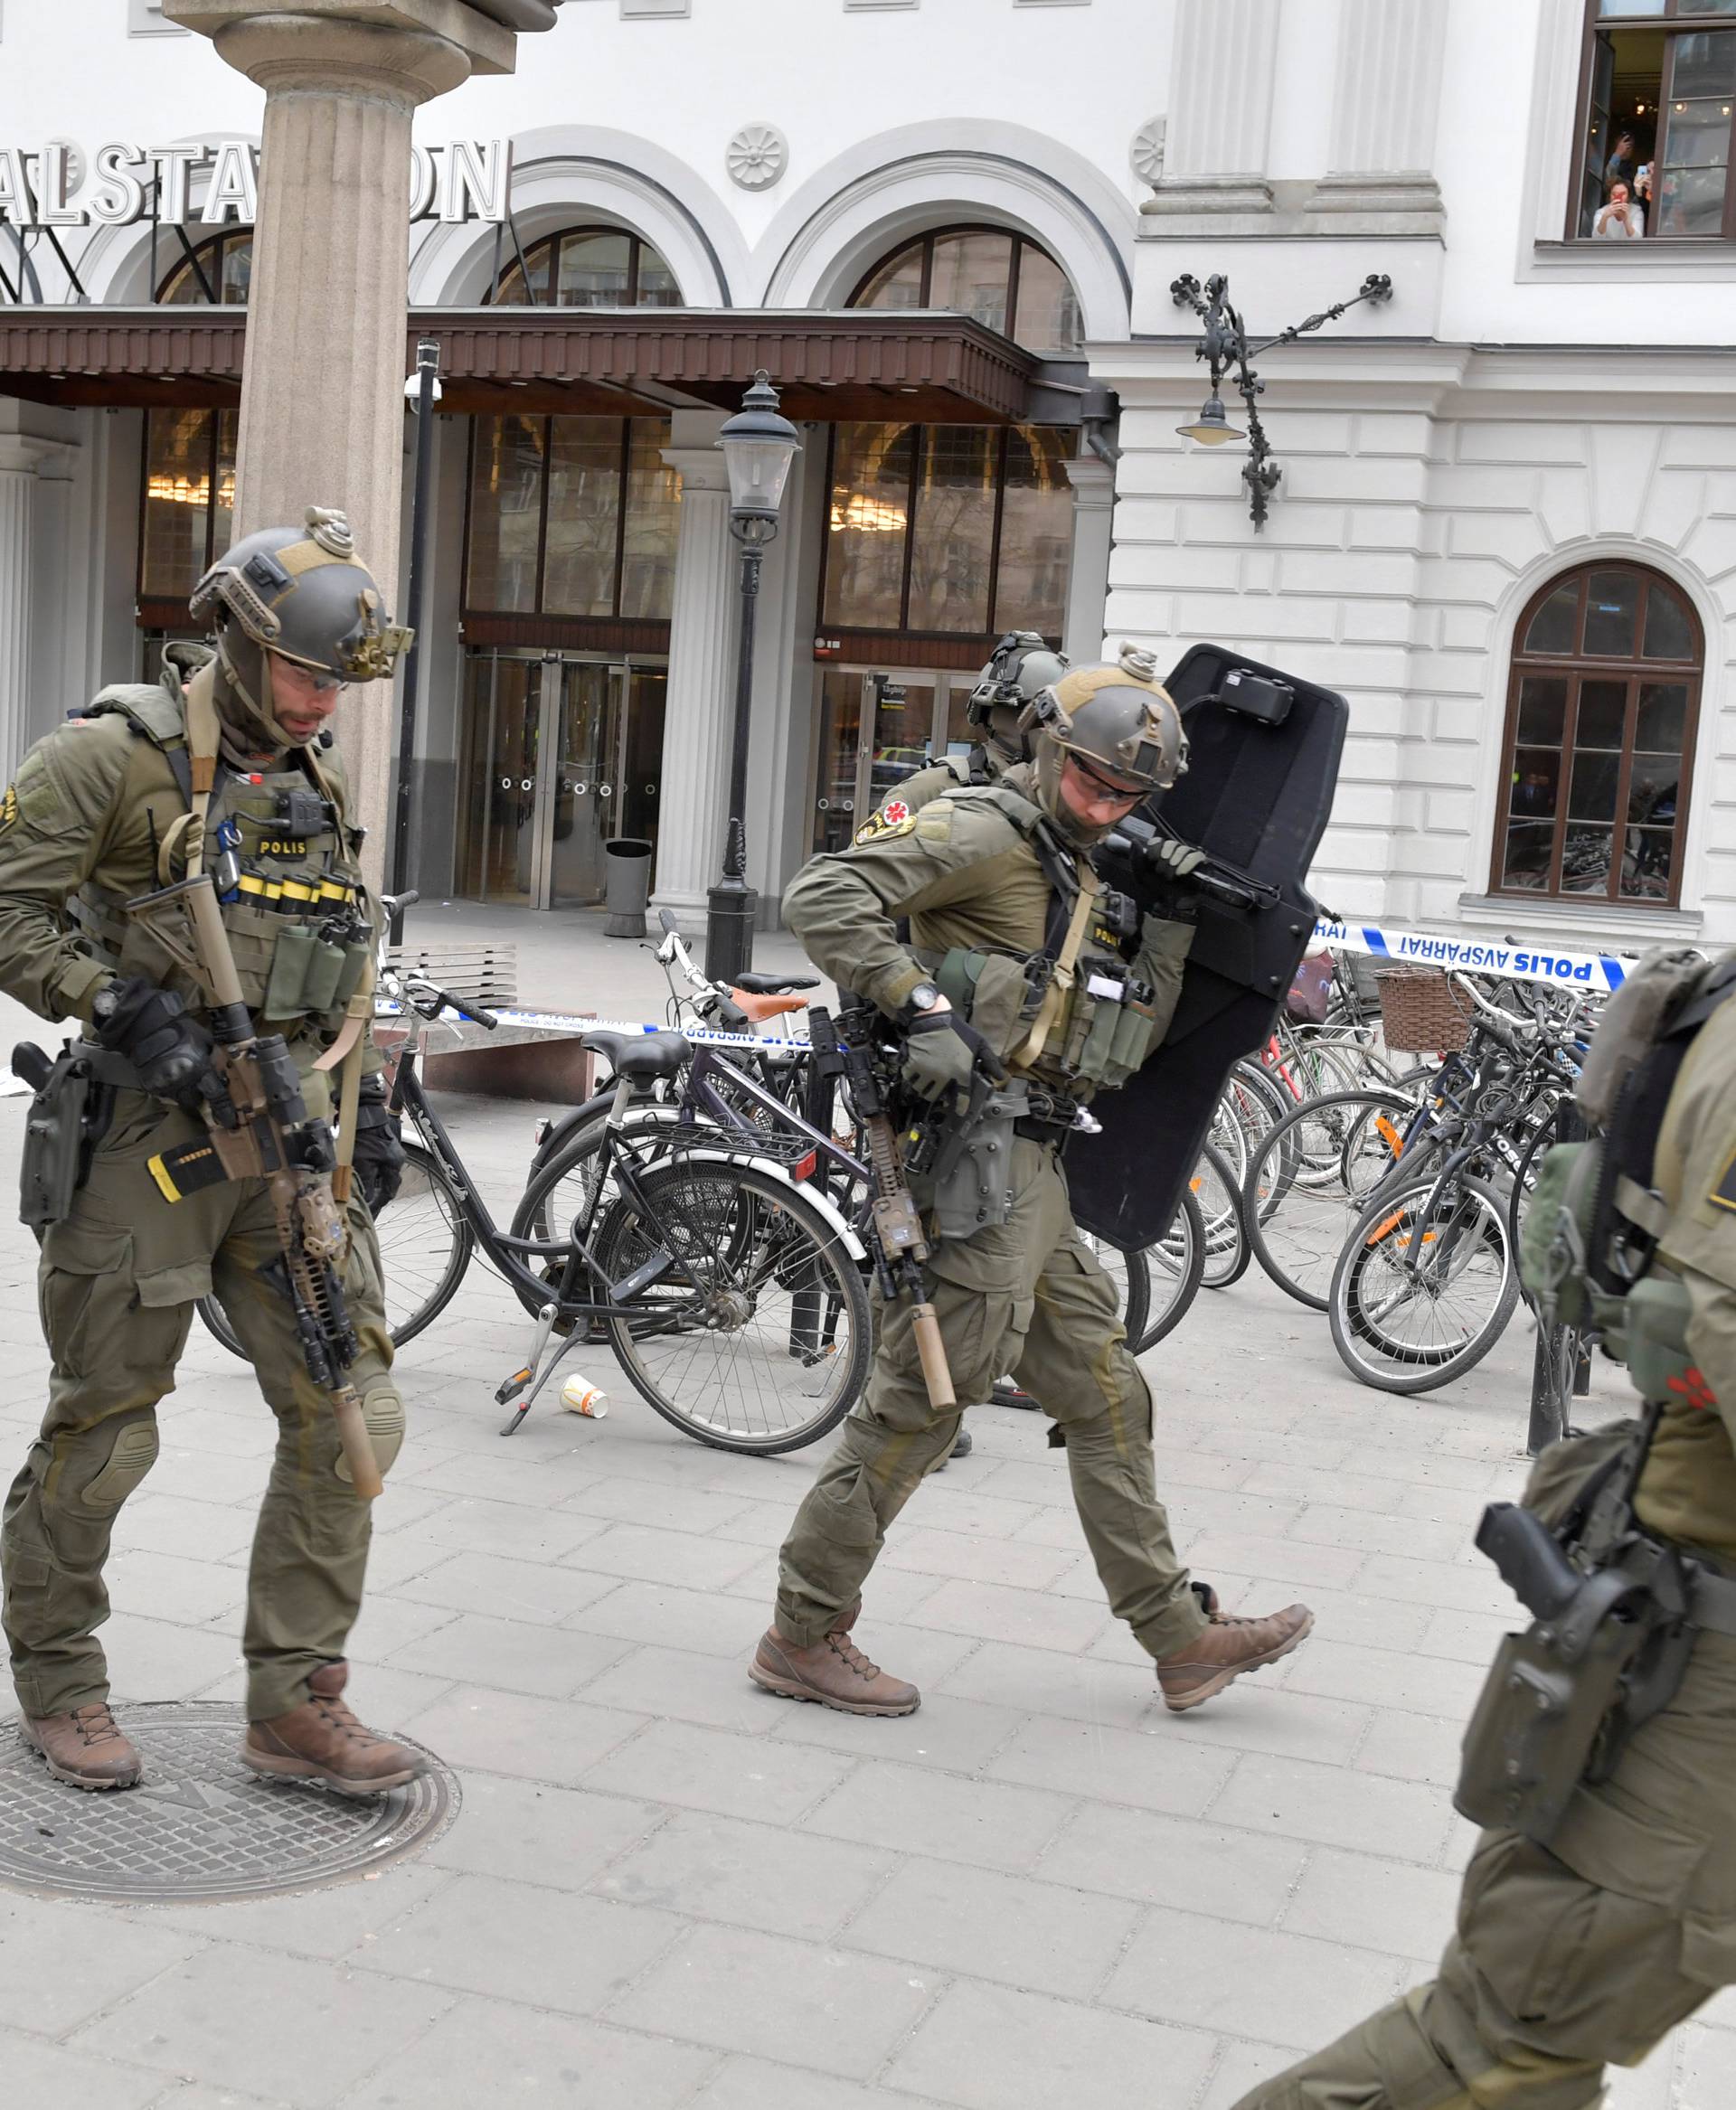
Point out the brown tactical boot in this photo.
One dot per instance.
(1227, 1648)
(83, 1748)
(321, 1739)
(836, 1673)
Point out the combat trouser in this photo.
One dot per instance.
(117, 1282)
(1573, 1958)
(1029, 1296)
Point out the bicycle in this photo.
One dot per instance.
(1427, 1280)
(732, 1299)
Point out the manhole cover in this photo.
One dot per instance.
(200, 1827)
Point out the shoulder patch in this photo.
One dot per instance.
(8, 809)
(894, 818)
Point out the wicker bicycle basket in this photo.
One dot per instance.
(1421, 1012)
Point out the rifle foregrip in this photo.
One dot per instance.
(932, 1353)
(358, 1445)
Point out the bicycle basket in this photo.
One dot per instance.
(1421, 1012)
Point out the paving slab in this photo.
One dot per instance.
(759, 1902)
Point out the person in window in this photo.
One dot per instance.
(1621, 165)
(1622, 219)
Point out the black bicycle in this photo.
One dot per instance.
(732, 1299)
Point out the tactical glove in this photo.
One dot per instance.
(1172, 859)
(378, 1157)
(940, 1050)
(150, 1026)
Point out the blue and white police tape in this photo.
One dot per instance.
(575, 1023)
(1526, 960)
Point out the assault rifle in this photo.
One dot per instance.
(257, 1126)
(1128, 860)
(894, 1226)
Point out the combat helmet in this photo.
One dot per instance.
(1022, 666)
(305, 594)
(1116, 719)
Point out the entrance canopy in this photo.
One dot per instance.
(932, 367)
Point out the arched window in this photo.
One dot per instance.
(1004, 280)
(589, 267)
(217, 272)
(1602, 709)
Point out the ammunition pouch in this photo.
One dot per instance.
(69, 1114)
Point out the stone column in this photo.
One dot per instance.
(18, 458)
(698, 715)
(1222, 76)
(322, 392)
(1386, 101)
(1088, 581)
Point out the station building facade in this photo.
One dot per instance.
(1507, 522)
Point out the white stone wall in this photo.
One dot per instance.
(1425, 499)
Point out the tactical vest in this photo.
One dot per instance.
(1085, 1017)
(299, 917)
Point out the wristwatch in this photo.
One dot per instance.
(923, 997)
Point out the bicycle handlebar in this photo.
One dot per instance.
(430, 1000)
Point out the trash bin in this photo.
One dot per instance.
(627, 861)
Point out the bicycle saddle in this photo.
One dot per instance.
(641, 1055)
(774, 984)
(757, 1010)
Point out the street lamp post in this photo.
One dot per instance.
(759, 445)
(422, 391)
(1225, 349)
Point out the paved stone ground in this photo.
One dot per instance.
(666, 1888)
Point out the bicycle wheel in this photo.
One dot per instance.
(1176, 1264)
(1425, 1284)
(757, 1338)
(1215, 1188)
(1309, 1182)
(425, 1247)
(1130, 1271)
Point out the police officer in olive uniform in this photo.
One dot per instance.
(1585, 1951)
(229, 774)
(1007, 948)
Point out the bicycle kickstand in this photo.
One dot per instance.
(520, 1379)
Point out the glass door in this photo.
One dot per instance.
(563, 754)
(586, 791)
(641, 771)
(898, 712)
(505, 719)
(877, 728)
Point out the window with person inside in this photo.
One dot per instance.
(1658, 96)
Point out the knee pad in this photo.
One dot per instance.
(382, 1416)
(130, 1456)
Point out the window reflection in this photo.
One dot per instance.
(912, 538)
(189, 498)
(220, 269)
(1003, 280)
(589, 267)
(1594, 801)
(572, 516)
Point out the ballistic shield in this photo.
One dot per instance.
(1263, 754)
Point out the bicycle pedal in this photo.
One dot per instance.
(514, 1386)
